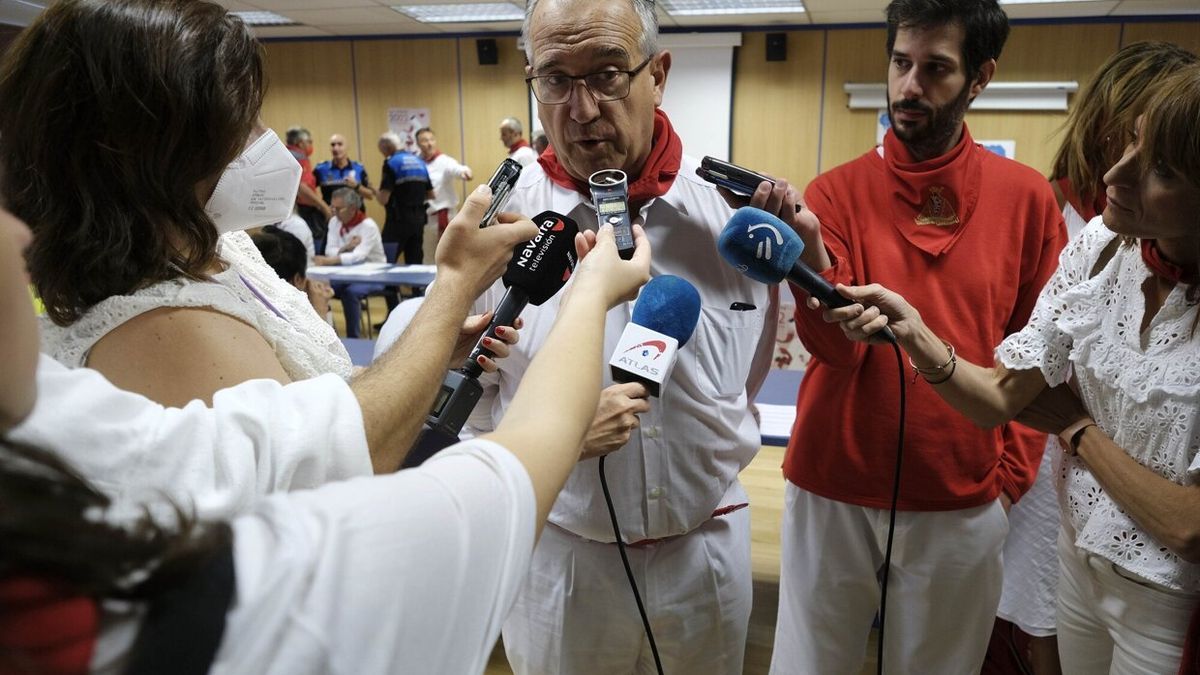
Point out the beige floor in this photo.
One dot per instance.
(764, 483)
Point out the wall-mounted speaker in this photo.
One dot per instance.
(485, 49)
(777, 46)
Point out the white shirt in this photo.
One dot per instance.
(683, 462)
(298, 228)
(370, 245)
(1143, 391)
(248, 290)
(444, 173)
(412, 572)
(258, 437)
(524, 155)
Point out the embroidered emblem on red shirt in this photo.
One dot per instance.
(939, 208)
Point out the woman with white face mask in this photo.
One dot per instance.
(132, 145)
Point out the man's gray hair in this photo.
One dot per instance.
(391, 138)
(350, 196)
(512, 124)
(297, 134)
(646, 14)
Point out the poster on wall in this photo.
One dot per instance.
(1004, 148)
(407, 122)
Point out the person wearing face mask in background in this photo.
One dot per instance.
(154, 284)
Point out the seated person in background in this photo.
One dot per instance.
(285, 254)
(353, 238)
(298, 228)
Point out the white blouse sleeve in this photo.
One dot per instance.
(412, 572)
(258, 437)
(1043, 343)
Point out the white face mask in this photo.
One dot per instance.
(258, 188)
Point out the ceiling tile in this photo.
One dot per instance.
(288, 31)
(1059, 10)
(871, 15)
(390, 28)
(283, 6)
(789, 18)
(1156, 7)
(345, 16)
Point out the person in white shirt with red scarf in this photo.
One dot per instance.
(599, 78)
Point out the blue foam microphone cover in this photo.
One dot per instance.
(760, 245)
(668, 305)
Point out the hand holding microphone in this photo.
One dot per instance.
(765, 249)
(472, 258)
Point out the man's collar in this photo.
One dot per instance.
(346, 159)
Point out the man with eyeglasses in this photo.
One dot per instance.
(599, 78)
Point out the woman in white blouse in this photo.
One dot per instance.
(1110, 361)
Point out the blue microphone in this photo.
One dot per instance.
(664, 319)
(766, 249)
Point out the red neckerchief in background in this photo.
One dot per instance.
(1165, 269)
(1087, 211)
(52, 626)
(433, 156)
(932, 201)
(353, 223)
(658, 173)
(518, 145)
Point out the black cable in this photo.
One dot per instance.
(887, 556)
(612, 514)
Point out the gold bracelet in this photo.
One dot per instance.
(951, 363)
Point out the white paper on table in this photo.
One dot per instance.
(363, 269)
(429, 269)
(776, 420)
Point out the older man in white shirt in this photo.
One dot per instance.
(444, 173)
(599, 78)
(353, 239)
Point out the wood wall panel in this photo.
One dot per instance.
(489, 94)
(850, 56)
(777, 106)
(311, 84)
(1040, 53)
(406, 74)
(1186, 34)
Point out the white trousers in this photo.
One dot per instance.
(942, 592)
(1111, 622)
(576, 614)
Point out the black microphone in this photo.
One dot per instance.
(765, 249)
(538, 270)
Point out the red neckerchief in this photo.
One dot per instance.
(658, 173)
(52, 626)
(1165, 269)
(933, 200)
(352, 223)
(522, 143)
(1087, 211)
(433, 157)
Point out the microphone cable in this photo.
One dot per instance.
(612, 514)
(887, 556)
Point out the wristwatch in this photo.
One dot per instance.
(1073, 434)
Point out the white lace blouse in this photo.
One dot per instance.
(1143, 390)
(248, 290)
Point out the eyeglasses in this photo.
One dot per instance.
(604, 85)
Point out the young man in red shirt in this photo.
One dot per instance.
(974, 236)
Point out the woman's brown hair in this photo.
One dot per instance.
(1100, 124)
(1169, 138)
(112, 113)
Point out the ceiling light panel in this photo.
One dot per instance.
(719, 7)
(465, 13)
(264, 19)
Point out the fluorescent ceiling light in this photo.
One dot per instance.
(264, 19)
(467, 13)
(717, 7)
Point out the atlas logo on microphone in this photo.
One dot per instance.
(658, 347)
